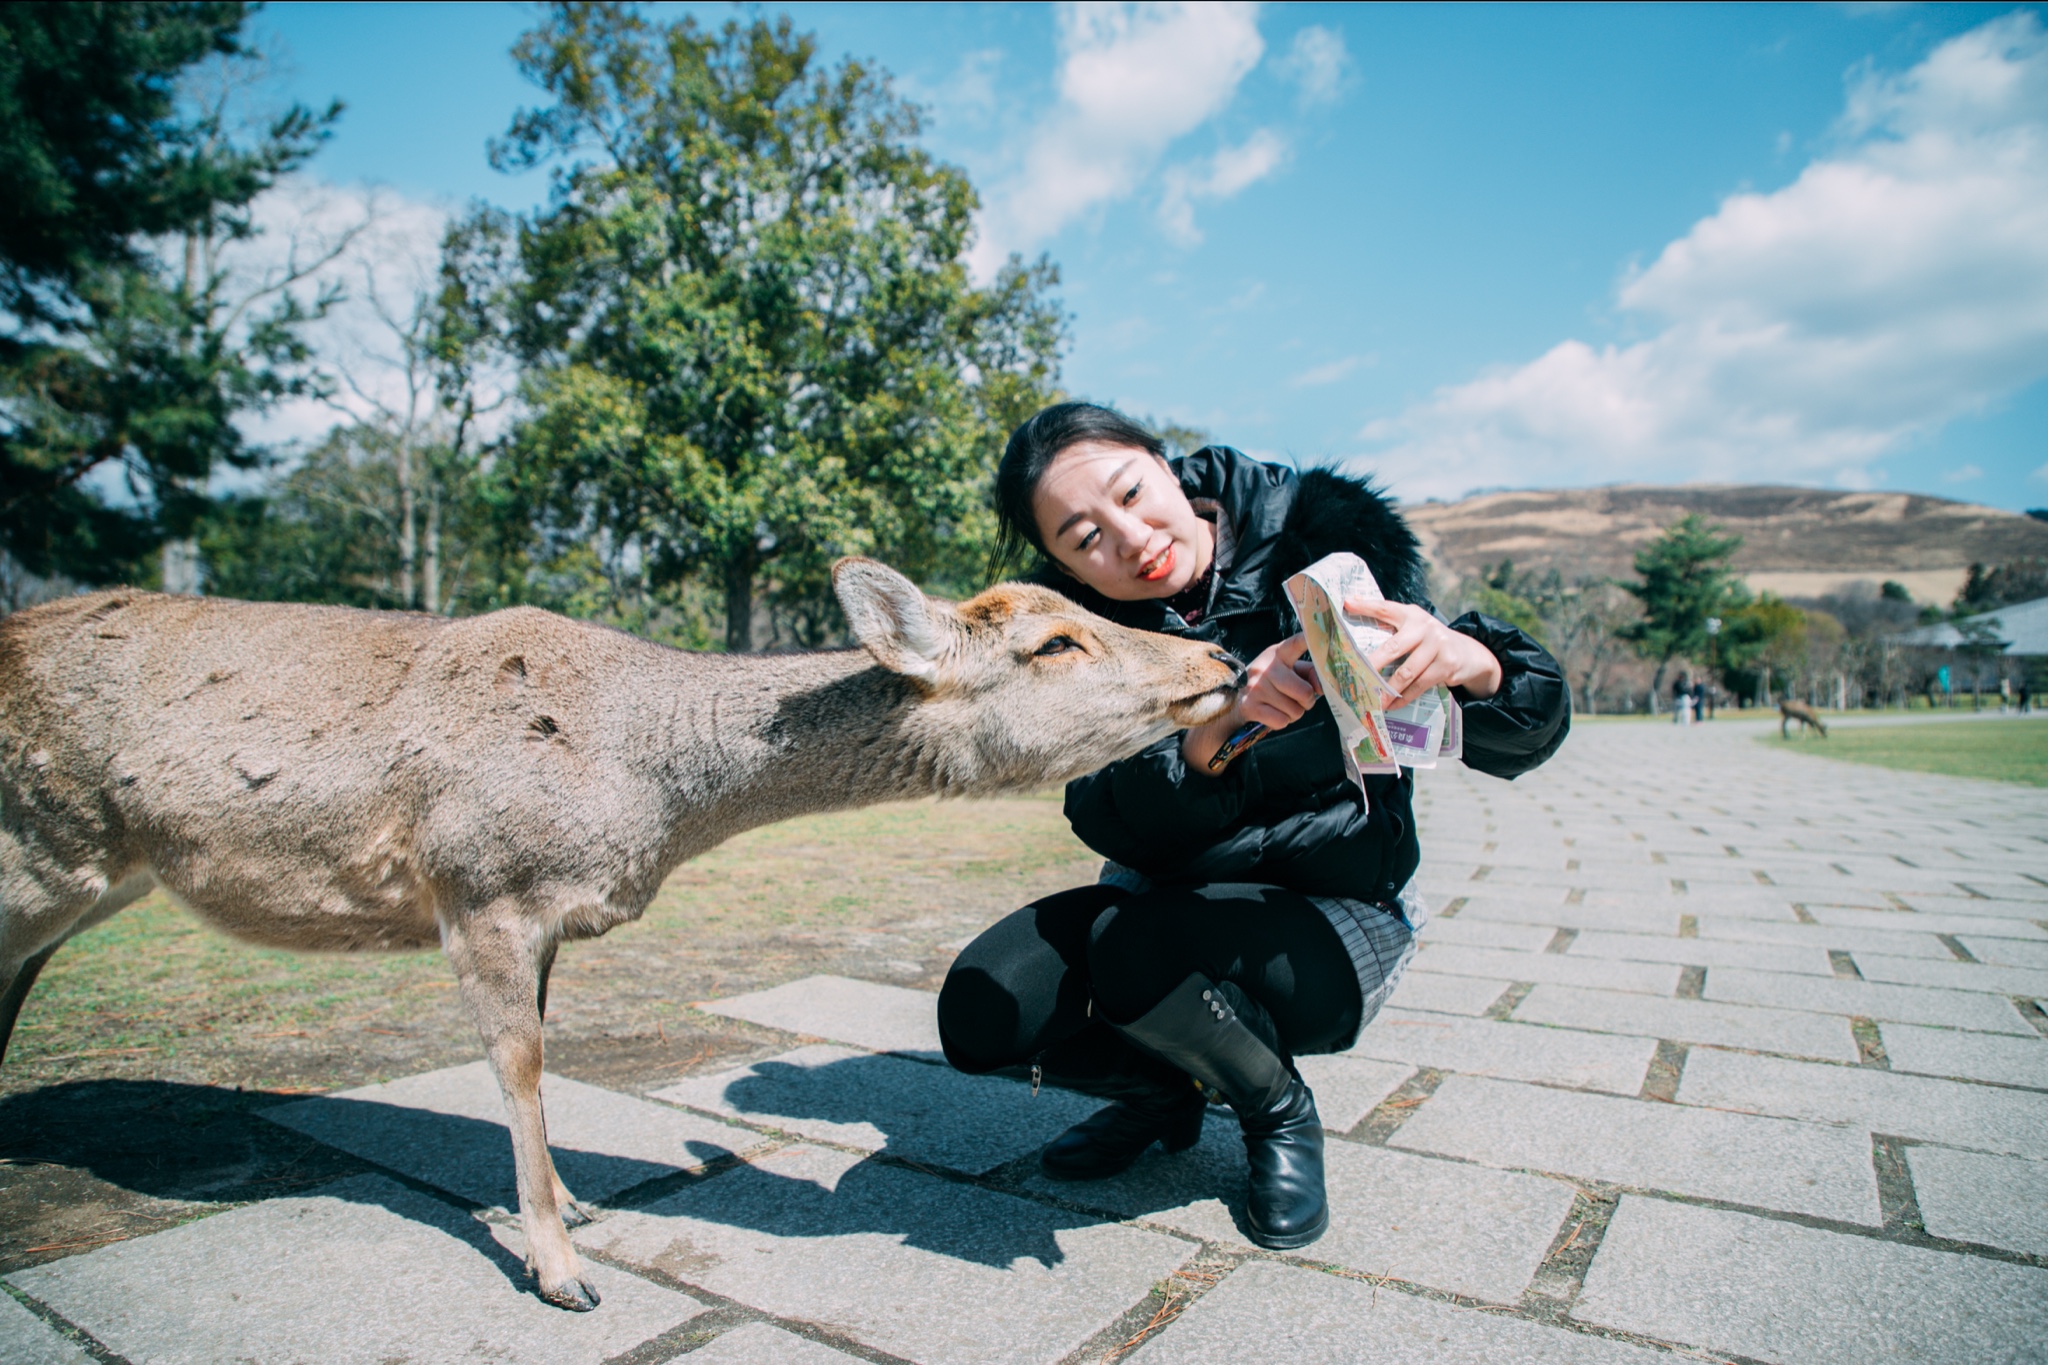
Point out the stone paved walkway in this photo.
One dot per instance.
(1712, 1052)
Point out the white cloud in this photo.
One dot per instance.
(1332, 372)
(1962, 475)
(1227, 173)
(1900, 282)
(1132, 80)
(1318, 64)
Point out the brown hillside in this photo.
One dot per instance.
(1797, 542)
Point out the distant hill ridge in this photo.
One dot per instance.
(1797, 542)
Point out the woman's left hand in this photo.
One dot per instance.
(1436, 655)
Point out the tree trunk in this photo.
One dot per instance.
(408, 531)
(430, 577)
(739, 604)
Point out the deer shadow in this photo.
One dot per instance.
(199, 1144)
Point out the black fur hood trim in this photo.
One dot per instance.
(1333, 512)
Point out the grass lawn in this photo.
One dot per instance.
(2003, 750)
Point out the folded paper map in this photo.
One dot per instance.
(1376, 739)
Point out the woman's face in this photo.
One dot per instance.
(1114, 517)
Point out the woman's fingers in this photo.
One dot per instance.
(1275, 692)
(1430, 654)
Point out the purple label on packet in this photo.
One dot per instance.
(1408, 733)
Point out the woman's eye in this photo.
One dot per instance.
(1089, 539)
(1058, 644)
(1132, 496)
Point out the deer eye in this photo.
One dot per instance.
(1058, 644)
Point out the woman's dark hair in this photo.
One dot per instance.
(1032, 448)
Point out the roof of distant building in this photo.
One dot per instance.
(2022, 628)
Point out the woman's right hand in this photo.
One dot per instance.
(1279, 688)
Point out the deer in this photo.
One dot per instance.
(330, 779)
(1790, 710)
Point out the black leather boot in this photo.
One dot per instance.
(1223, 1038)
(1153, 1103)
(1110, 1139)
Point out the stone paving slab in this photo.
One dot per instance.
(1523, 1052)
(1640, 916)
(1702, 952)
(1267, 1312)
(1349, 1087)
(1649, 978)
(1972, 1056)
(756, 1343)
(1869, 1100)
(1823, 937)
(920, 1267)
(1692, 1021)
(447, 1128)
(843, 1010)
(886, 1103)
(1446, 994)
(2000, 1201)
(1762, 1162)
(2006, 952)
(1443, 1224)
(26, 1339)
(1776, 1291)
(1763, 904)
(364, 1270)
(1961, 976)
(1932, 922)
(1871, 999)
(1481, 933)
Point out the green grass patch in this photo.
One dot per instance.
(2001, 750)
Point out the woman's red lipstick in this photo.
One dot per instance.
(1161, 567)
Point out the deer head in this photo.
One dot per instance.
(1019, 680)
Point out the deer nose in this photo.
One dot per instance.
(1233, 663)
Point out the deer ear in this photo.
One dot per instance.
(904, 630)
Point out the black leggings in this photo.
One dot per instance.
(1023, 987)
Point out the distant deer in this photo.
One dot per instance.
(1790, 710)
(329, 779)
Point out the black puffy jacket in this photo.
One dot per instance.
(1285, 813)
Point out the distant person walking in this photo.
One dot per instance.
(1681, 701)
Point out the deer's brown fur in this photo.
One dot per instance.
(338, 780)
(1790, 710)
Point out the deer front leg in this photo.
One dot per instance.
(497, 960)
(573, 1214)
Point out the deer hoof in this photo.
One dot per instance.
(577, 1296)
(574, 1215)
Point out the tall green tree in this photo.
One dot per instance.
(1683, 580)
(117, 344)
(752, 341)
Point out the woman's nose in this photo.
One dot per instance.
(1133, 534)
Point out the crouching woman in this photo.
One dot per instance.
(1253, 908)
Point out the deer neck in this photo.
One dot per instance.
(801, 734)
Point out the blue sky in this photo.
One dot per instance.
(1470, 246)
